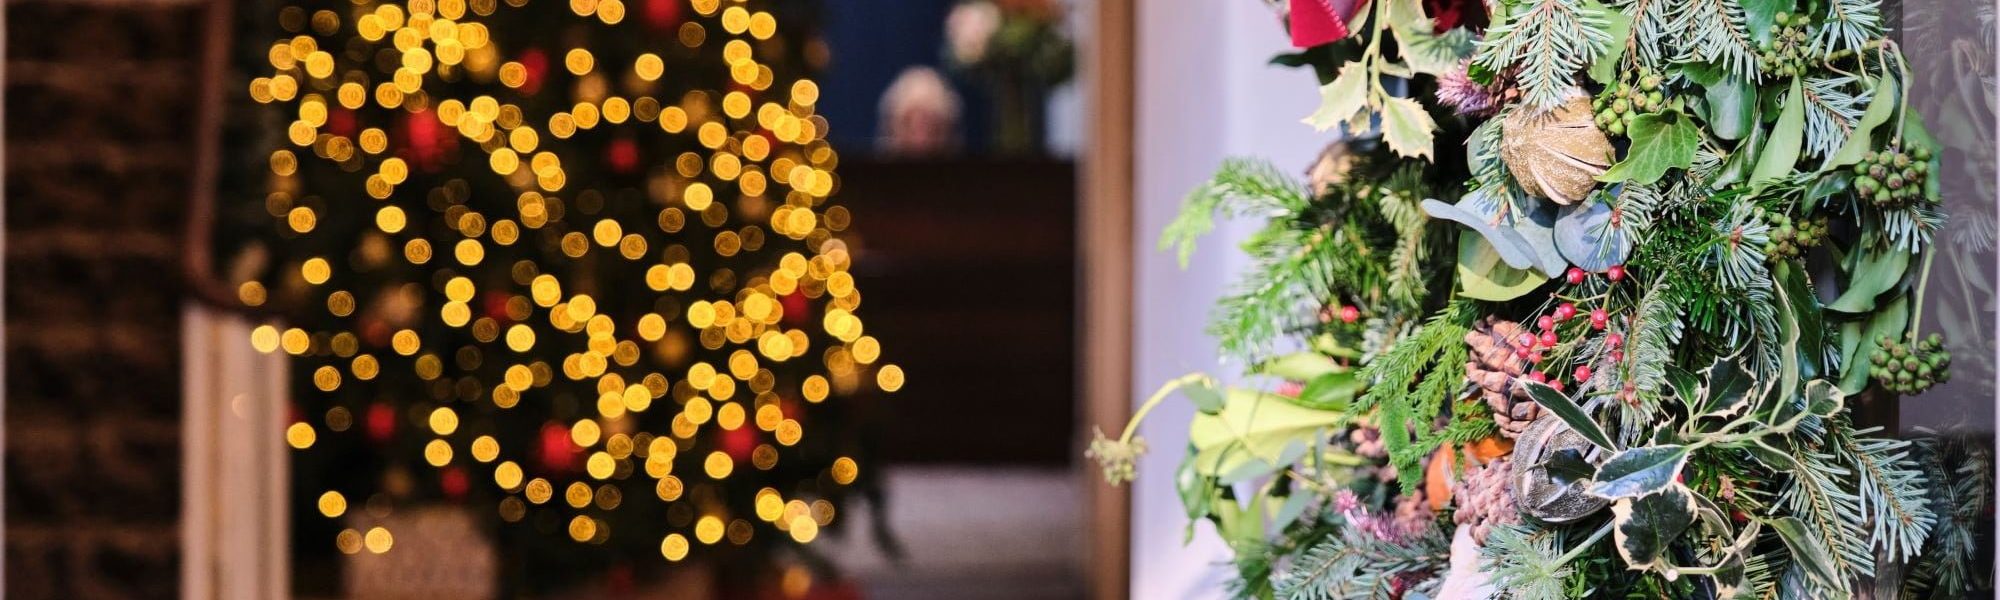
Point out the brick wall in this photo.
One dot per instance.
(98, 104)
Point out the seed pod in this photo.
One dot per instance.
(1557, 155)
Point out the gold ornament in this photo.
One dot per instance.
(1556, 155)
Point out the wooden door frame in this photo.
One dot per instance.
(1105, 255)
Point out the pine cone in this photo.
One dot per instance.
(1412, 515)
(1495, 362)
(1486, 498)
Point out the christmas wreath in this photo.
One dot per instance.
(1583, 306)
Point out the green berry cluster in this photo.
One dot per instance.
(1789, 49)
(1637, 95)
(1906, 370)
(1792, 238)
(1892, 178)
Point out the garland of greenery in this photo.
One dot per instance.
(1688, 239)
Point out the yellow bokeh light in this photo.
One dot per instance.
(332, 504)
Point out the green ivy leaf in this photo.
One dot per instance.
(1484, 275)
(1332, 391)
(1407, 127)
(1761, 16)
(1618, 27)
(1341, 101)
(1660, 141)
(1256, 433)
(1781, 151)
(1205, 397)
(1645, 527)
(1196, 491)
(1881, 107)
(1874, 272)
(1639, 471)
(1891, 319)
(1298, 366)
(1570, 413)
(1732, 106)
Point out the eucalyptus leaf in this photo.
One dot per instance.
(1571, 414)
(1645, 527)
(1639, 471)
(1483, 275)
(1781, 151)
(1808, 551)
(1660, 141)
(1587, 237)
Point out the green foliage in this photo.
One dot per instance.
(1357, 564)
(1551, 40)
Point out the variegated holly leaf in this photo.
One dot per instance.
(1639, 471)
(1341, 100)
(1407, 127)
(1644, 527)
(1725, 389)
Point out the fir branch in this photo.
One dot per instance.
(1714, 31)
(1848, 25)
(1655, 332)
(1945, 568)
(1401, 209)
(1550, 40)
(1814, 493)
(1652, 31)
(1528, 562)
(1909, 228)
(1831, 112)
(1357, 564)
(1890, 487)
(1429, 360)
(1738, 249)
(1241, 187)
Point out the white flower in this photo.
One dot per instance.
(969, 28)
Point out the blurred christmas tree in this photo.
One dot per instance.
(568, 264)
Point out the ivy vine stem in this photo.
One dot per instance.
(1132, 427)
(1923, 285)
(1587, 543)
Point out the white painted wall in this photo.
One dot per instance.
(1205, 92)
